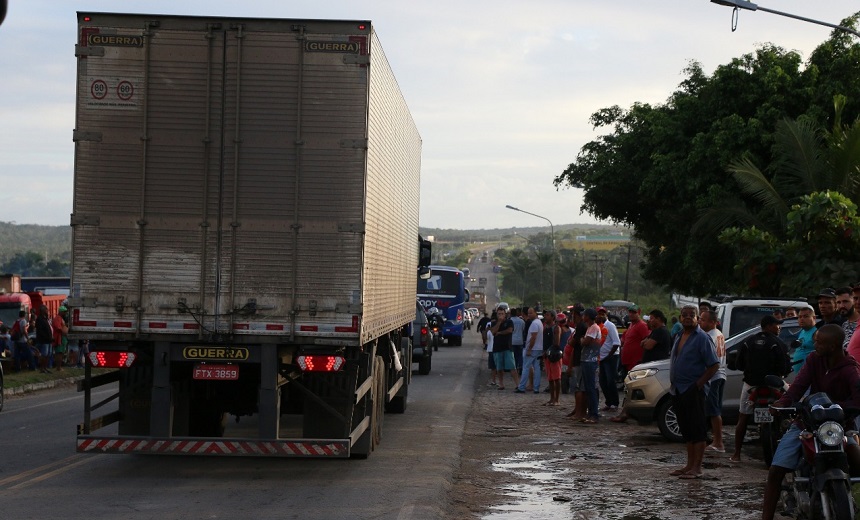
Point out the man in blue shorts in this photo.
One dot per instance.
(828, 369)
(502, 334)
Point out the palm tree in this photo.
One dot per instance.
(806, 159)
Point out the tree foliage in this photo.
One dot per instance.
(661, 168)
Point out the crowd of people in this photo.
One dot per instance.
(40, 342)
(581, 353)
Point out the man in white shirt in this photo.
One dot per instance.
(532, 353)
(609, 361)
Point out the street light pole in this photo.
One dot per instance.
(749, 6)
(552, 237)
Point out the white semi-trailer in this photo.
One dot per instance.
(245, 235)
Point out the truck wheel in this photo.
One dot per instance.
(1, 390)
(424, 365)
(667, 421)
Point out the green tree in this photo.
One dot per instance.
(659, 168)
(823, 238)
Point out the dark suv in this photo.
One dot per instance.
(422, 340)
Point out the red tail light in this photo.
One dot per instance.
(320, 363)
(424, 331)
(111, 359)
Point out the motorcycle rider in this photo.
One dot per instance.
(828, 369)
(759, 355)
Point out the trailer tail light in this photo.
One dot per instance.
(320, 363)
(111, 359)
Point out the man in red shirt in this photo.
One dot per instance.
(631, 341)
(631, 347)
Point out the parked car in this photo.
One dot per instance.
(422, 340)
(646, 387)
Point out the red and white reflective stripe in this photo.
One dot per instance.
(234, 447)
(181, 327)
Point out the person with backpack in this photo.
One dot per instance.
(758, 356)
(18, 334)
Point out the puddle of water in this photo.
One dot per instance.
(544, 486)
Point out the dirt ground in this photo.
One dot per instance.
(524, 460)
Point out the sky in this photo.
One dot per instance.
(501, 91)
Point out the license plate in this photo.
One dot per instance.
(216, 372)
(763, 415)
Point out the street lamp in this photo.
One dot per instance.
(552, 237)
(749, 6)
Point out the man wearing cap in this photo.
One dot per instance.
(827, 308)
(60, 339)
(608, 362)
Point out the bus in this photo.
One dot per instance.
(445, 290)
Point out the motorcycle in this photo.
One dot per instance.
(436, 321)
(821, 487)
(770, 431)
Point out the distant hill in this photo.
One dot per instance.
(53, 241)
(56, 241)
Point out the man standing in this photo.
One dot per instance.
(759, 356)
(658, 343)
(483, 326)
(532, 353)
(574, 369)
(518, 338)
(714, 401)
(504, 357)
(590, 354)
(692, 365)
(19, 335)
(806, 320)
(845, 308)
(827, 308)
(44, 338)
(827, 370)
(609, 361)
(631, 342)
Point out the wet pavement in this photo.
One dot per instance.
(524, 460)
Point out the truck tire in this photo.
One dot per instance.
(424, 364)
(667, 421)
(1, 389)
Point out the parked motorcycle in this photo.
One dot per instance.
(770, 431)
(821, 487)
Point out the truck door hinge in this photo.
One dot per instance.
(356, 59)
(354, 143)
(80, 135)
(84, 220)
(350, 227)
(83, 50)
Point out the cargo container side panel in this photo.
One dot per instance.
(108, 179)
(391, 213)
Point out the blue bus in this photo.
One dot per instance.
(445, 290)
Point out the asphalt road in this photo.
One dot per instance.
(409, 475)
